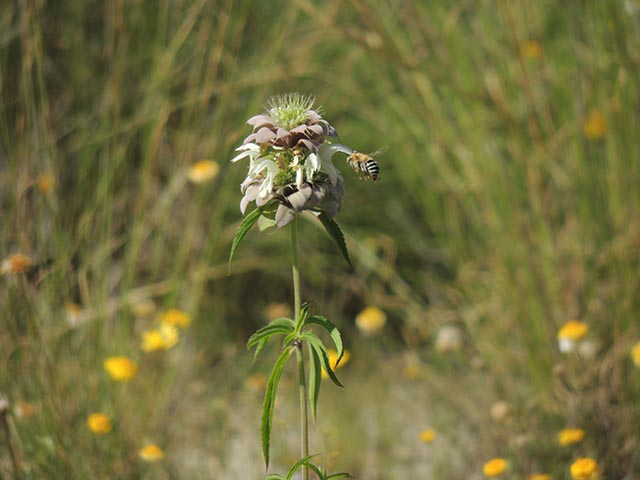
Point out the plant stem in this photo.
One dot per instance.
(302, 382)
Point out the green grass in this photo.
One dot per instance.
(494, 212)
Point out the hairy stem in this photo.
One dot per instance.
(304, 418)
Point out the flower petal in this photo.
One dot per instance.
(264, 135)
(284, 216)
(258, 121)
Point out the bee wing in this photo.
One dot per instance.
(379, 151)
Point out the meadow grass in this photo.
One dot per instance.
(508, 204)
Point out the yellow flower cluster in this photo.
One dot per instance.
(120, 368)
(595, 125)
(99, 423)
(371, 320)
(166, 335)
(203, 171)
(428, 435)
(569, 436)
(585, 469)
(151, 453)
(570, 335)
(494, 467)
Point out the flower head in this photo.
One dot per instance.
(16, 263)
(539, 476)
(99, 423)
(371, 320)
(635, 354)
(121, 368)
(151, 453)
(494, 467)
(203, 171)
(290, 154)
(449, 338)
(428, 435)
(162, 338)
(569, 436)
(175, 318)
(570, 333)
(585, 469)
(531, 50)
(595, 125)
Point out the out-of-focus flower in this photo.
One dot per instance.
(73, 311)
(570, 334)
(449, 338)
(500, 411)
(635, 354)
(569, 436)
(25, 409)
(333, 360)
(412, 368)
(494, 467)
(121, 368)
(151, 453)
(46, 182)
(15, 264)
(290, 161)
(428, 435)
(531, 49)
(595, 125)
(588, 349)
(162, 338)
(585, 469)
(99, 423)
(257, 382)
(175, 318)
(275, 310)
(371, 320)
(539, 476)
(203, 171)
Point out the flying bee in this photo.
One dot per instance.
(365, 163)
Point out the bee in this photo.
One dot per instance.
(365, 163)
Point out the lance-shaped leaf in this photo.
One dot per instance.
(274, 476)
(279, 326)
(331, 329)
(296, 466)
(245, 226)
(317, 344)
(335, 233)
(339, 475)
(270, 402)
(315, 379)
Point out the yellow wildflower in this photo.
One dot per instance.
(569, 436)
(120, 369)
(333, 360)
(570, 333)
(151, 453)
(585, 469)
(203, 171)
(99, 423)
(494, 467)
(162, 338)
(531, 50)
(371, 320)
(635, 354)
(595, 126)
(46, 182)
(539, 476)
(176, 318)
(428, 435)
(16, 263)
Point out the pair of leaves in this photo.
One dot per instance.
(305, 461)
(252, 217)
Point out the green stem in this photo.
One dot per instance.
(302, 382)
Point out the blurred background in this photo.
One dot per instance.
(508, 205)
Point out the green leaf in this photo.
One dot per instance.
(296, 466)
(317, 471)
(315, 379)
(304, 311)
(332, 330)
(339, 475)
(279, 326)
(335, 233)
(245, 226)
(317, 344)
(274, 476)
(270, 402)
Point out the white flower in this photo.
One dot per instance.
(264, 170)
(251, 150)
(325, 152)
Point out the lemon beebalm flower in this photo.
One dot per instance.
(585, 469)
(635, 354)
(371, 320)
(595, 125)
(333, 360)
(121, 368)
(570, 334)
(151, 453)
(162, 338)
(494, 467)
(203, 171)
(99, 423)
(569, 436)
(428, 435)
(176, 318)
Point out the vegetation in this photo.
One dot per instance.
(507, 206)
